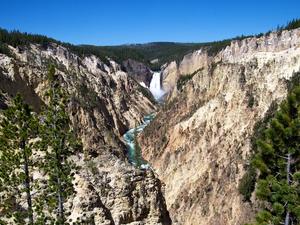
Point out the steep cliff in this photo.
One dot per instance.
(105, 102)
(188, 65)
(138, 71)
(202, 134)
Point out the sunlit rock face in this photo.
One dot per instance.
(170, 75)
(199, 143)
(189, 64)
(193, 61)
(104, 103)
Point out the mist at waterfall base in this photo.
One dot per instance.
(157, 92)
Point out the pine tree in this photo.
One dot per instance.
(58, 142)
(278, 161)
(17, 127)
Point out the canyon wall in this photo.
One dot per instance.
(200, 141)
(188, 65)
(104, 103)
(138, 71)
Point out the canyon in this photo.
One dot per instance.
(105, 103)
(195, 120)
(203, 132)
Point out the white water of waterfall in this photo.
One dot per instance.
(155, 86)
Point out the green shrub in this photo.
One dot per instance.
(92, 167)
(4, 49)
(88, 98)
(247, 183)
(294, 81)
(183, 80)
(251, 101)
(250, 97)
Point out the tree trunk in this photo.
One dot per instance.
(288, 170)
(60, 199)
(60, 202)
(287, 218)
(59, 183)
(27, 182)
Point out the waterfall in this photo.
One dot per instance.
(155, 86)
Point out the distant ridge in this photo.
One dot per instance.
(145, 53)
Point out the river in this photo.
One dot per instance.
(157, 91)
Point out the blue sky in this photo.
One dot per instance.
(111, 22)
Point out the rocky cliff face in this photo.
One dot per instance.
(189, 64)
(104, 103)
(138, 71)
(202, 135)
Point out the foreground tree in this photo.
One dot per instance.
(278, 161)
(17, 127)
(58, 142)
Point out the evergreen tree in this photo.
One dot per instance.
(278, 161)
(17, 128)
(58, 142)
